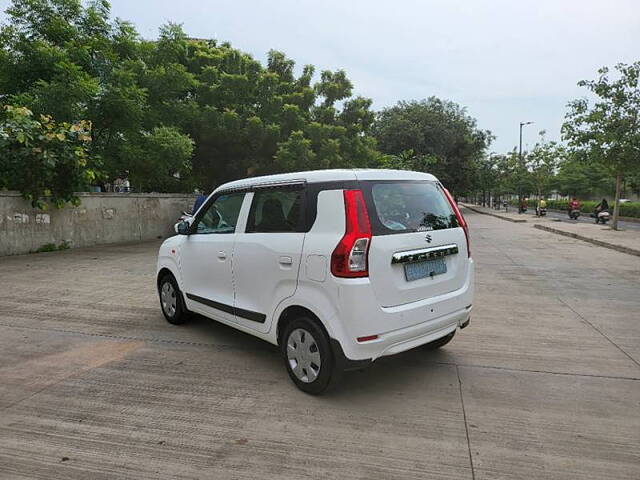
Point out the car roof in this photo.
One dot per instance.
(316, 176)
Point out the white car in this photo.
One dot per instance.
(337, 267)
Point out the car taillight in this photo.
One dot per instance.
(461, 221)
(351, 256)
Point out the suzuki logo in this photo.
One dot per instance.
(428, 238)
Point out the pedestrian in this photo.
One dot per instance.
(126, 185)
(117, 184)
(198, 203)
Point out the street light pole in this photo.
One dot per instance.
(522, 124)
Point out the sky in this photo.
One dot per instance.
(507, 61)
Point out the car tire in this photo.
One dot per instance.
(441, 342)
(308, 357)
(171, 301)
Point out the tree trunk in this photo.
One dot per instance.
(616, 203)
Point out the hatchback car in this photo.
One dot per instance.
(336, 267)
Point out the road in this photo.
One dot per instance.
(564, 217)
(544, 383)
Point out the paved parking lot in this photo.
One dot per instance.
(544, 384)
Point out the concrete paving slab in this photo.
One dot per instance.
(528, 285)
(531, 425)
(625, 241)
(511, 216)
(91, 372)
(198, 413)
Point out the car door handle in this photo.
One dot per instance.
(222, 255)
(285, 261)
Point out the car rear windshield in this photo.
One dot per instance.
(402, 207)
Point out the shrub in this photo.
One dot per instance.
(628, 209)
(45, 160)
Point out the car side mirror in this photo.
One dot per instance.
(183, 227)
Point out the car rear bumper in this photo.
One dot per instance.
(401, 340)
(398, 328)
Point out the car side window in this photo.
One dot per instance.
(221, 216)
(276, 211)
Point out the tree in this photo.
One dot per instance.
(608, 129)
(514, 176)
(295, 154)
(148, 100)
(408, 160)
(486, 177)
(44, 160)
(437, 129)
(542, 163)
(160, 159)
(580, 176)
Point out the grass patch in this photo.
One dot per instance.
(52, 247)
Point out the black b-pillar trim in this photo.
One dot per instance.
(240, 312)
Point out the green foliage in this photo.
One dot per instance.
(177, 113)
(440, 134)
(52, 247)
(510, 175)
(295, 153)
(608, 131)
(45, 160)
(581, 177)
(409, 160)
(160, 159)
(628, 209)
(531, 175)
(542, 163)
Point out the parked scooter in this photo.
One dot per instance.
(601, 217)
(184, 216)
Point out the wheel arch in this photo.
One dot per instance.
(295, 311)
(161, 273)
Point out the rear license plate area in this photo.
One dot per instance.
(428, 268)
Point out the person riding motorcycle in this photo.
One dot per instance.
(603, 206)
(523, 205)
(574, 204)
(601, 212)
(542, 205)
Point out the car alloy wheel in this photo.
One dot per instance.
(169, 299)
(303, 355)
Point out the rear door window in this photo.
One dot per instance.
(401, 207)
(276, 210)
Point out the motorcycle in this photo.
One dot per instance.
(541, 212)
(574, 214)
(601, 217)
